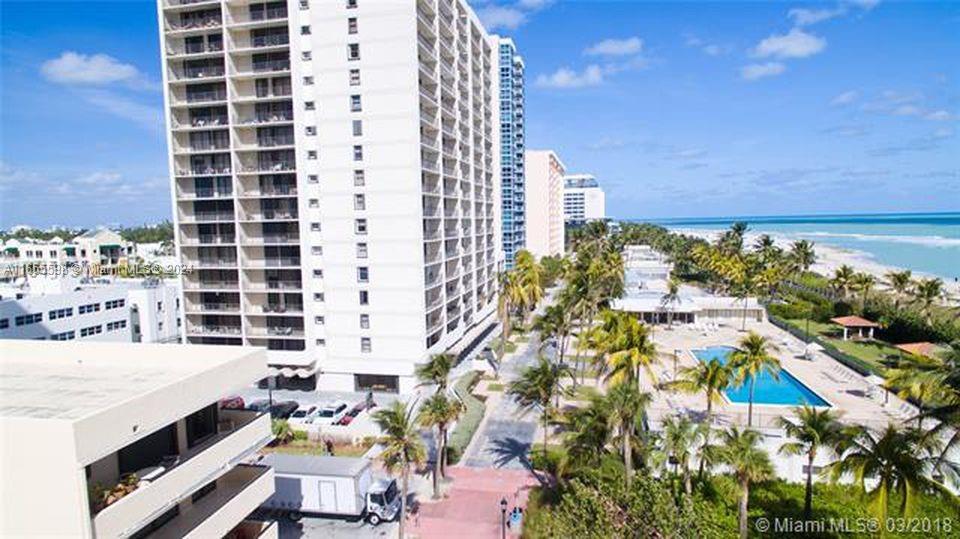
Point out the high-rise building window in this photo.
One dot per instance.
(304, 4)
(361, 250)
(321, 342)
(357, 128)
(305, 30)
(316, 250)
(352, 25)
(359, 202)
(318, 320)
(309, 105)
(365, 345)
(314, 202)
(358, 178)
(354, 77)
(312, 155)
(318, 296)
(364, 297)
(313, 178)
(364, 321)
(351, 4)
(311, 130)
(308, 81)
(306, 55)
(360, 226)
(355, 105)
(315, 227)
(318, 273)
(358, 153)
(363, 274)
(353, 51)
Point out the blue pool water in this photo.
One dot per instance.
(786, 390)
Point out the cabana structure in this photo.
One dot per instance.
(925, 349)
(855, 322)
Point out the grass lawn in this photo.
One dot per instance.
(510, 347)
(873, 352)
(307, 447)
(496, 386)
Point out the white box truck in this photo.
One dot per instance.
(334, 486)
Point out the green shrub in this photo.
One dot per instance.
(470, 419)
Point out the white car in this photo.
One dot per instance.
(302, 416)
(330, 413)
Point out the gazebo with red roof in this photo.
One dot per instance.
(857, 323)
(923, 348)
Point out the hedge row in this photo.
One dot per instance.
(469, 421)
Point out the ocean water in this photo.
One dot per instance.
(922, 242)
(785, 389)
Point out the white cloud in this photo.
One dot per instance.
(794, 44)
(100, 179)
(607, 143)
(939, 116)
(691, 153)
(865, 5)
(710, 49)
(126, 108)
(759, 71)
(73, 68)
(565, 77)
(534, 4)
(615, 47)
(845, 98)
(805, 17)
(501, 17)
(943, 132)
(907, 110)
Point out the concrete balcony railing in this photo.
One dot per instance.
(203, 284)
(271, 286)
(214, 330)
(275, 331)
(239, 492)
(256, 529)
(239, 433)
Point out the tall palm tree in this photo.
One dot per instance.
(899, 283)
(510, 297)
(403, 448)
(631, 350)
(530, 277)
(436, 371)
(927, 293)
(556, 322)
(670, 298)
(740, 451)
(750, 360)
(536, 387)
(863, 283)
(711, 378)
(842, 280)
(588, 430)
(813, 429)
(803, 255)
(439, 411)
(898, 460)
(679, 437)
(627, 406)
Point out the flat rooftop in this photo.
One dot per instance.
(73, 380)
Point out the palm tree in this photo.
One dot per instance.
(436, 371)
(510, 297)
(731, 241)
(282, 431)
(670, 298)
(626, 406)
(439, 411)
(899, 283)
(749, 361)
(842, 280)
(403, 448)
(536, 388)
(556, 322)
(530, 278)
(679, 436)
(588, 431)
(803, 255)
(711, 378)
(863, 283)
(899, 460)
(739, 450)
(812, 430)
(927, 293)
(631, 350)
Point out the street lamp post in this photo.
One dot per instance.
(503, 518)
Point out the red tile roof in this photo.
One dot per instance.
(854, 322)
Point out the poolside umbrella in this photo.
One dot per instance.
(880, 381)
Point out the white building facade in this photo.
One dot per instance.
(583, 199)
(99, 415)
(544, 194)
(335, 178)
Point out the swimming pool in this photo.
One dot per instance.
(785, 391)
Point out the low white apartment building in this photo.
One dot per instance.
(99, 250)
(583, 199)
(335, 178)
(80, 419)
(64, 308)
(544, 194)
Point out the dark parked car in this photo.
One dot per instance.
(259, 405)
(283, 410)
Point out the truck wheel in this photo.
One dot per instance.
(373, 519)
(295, 516)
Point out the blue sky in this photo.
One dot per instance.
(680, 109)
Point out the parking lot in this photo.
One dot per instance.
(332, 528)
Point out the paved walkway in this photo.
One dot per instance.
(472, 506)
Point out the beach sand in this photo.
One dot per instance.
(829, 258)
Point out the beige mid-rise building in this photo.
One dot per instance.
(544, 197)
(139, 420)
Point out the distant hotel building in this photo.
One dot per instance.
(140, 422)
(544, 194)
(100, 247)
(513, 201)
(583, 199)
(64, 308)
(335, 176)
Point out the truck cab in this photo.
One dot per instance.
(383, 501)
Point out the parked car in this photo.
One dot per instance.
(234, 402)
(331, 413)
(283, 410)
(351, 415)
(303, 416)
(259, 405)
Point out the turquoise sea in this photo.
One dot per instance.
(923, 242)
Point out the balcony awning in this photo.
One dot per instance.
(294, 372)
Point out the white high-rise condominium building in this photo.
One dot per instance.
(336, 180)
(513, 204)
(583, 199)
(544, 194)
